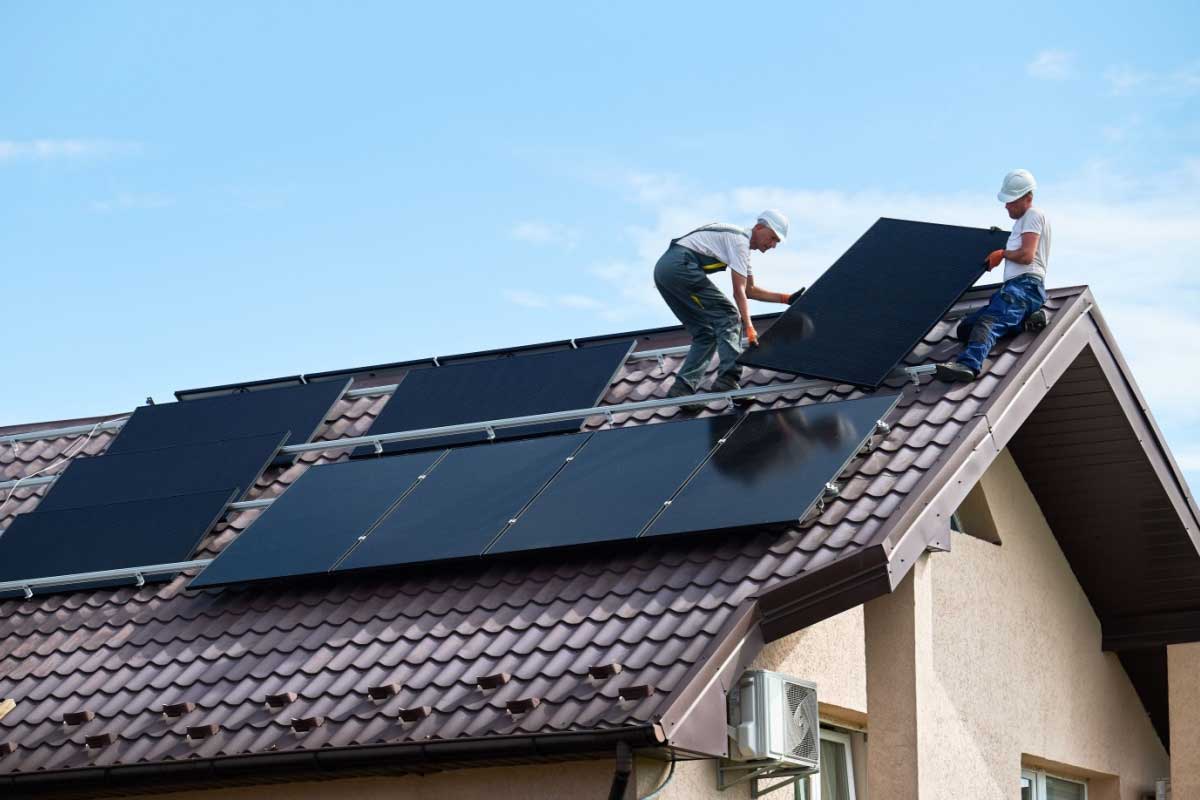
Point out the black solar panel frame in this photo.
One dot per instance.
(642, 465)
(91, 539)
(867, 410)
(215, 418)
(844, 311)
(165, 472)
(394, 533)
(415, 403)
(320, 497)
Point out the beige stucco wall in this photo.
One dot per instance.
(1183, 677)
(1017, 668)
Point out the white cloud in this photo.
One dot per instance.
(528, 299)
(1125, 80)
(539, 232)
(59, 149)
(133, 201)
(524, 298)
(1052, 65)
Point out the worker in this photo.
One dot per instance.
(1018, 302)
(715, 323)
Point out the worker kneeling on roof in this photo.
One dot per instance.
(682, 278)
(1018, 303)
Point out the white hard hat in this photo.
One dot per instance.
(1017, 184)
(776, 221)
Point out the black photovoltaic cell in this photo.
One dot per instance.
(773, 467)
(465, 502)
(114, 536)
(189, 469)
(499, 388)
(876, 302)
(299, 409)
(615, 484)
(317, 520)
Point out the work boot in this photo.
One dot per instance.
(953, 371)
(1035, 321)
(728, 383)
(725, 383)
(680, 389)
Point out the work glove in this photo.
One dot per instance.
(794, 296)
(994, 258)
(751, 335)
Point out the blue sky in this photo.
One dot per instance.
(198, 194)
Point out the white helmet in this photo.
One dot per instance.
(776, 221)
(1017, 184)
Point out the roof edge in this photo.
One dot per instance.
(352, 761)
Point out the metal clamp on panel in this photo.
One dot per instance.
(491, 433)
(378, 446)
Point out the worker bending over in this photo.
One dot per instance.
(1022, 296)
(682, 278)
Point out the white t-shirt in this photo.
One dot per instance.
(1032, 221)
(728, 244)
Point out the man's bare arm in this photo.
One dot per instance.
(1029, 243)
(755, 293)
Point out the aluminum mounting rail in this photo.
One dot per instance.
(54, 433)
(136, 574)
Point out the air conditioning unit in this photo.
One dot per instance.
(773, 717)
(1162, 789)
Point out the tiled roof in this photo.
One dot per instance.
(656, 608)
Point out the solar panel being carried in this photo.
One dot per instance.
(868, 310)
(299, 409)
(499, 388)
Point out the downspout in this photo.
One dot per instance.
(621, 775)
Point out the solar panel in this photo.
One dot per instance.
(112, 536)
(299, 409)
(466, 500)
(773, 467)
(871, 308)
(317, 520)
(188, 469)
(615, 484)
(499, 388)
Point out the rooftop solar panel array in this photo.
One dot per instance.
(162, 484)
(869, 310)
(762, 468)
(500, 388)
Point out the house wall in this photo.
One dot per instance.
(1183, 669)
(1016, 673)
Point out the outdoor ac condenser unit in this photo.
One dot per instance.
(773, 717)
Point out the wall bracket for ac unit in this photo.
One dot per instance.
(731, 773)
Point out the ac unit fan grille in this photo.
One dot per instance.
(803, 727)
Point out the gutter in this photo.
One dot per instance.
(323, 764)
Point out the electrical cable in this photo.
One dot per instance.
(663, 785)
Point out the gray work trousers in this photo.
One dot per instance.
(706, 313)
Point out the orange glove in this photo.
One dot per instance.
(752, 335)
(994, 258)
